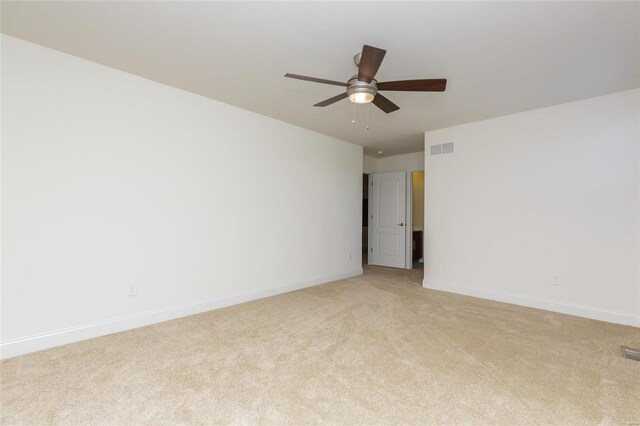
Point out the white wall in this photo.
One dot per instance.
(109, 179)
(397, 163)
(544, 192)
(394, 163)
(368, 164)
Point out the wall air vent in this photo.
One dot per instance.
(445, 148)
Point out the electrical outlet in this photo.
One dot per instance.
(133, 289)
(555, 280)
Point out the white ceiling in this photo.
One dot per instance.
(499, 57)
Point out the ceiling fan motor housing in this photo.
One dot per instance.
(356, 86)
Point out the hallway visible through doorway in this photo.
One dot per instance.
(417, 216)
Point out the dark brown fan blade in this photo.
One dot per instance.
(316, 80)
(384, 104)
(332, 100)
(370, 61)
(426, 85)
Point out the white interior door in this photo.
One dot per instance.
(387, 219)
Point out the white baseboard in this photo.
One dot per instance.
(48, 340)
(533, 302)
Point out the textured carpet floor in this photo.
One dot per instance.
(375, 349)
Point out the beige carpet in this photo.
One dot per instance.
(376, 349)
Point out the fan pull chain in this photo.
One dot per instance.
(368, 105)
(354, 114)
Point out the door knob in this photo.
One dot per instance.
(401, 224)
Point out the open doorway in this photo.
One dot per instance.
(393, 219)
(417, 216)
(365, 220)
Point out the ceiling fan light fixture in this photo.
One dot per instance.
(361, 92)
(361, 97)
(362, 88)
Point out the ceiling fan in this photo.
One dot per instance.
(363, 88)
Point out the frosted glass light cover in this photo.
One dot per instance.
(361, 97)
